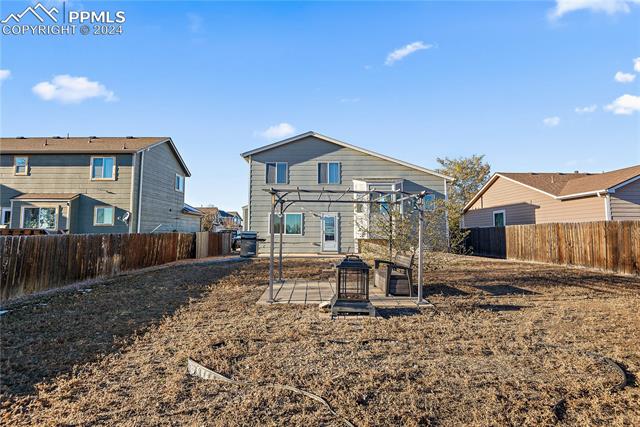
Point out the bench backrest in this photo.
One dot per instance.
(404, 260)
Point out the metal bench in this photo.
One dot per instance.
(395, 277)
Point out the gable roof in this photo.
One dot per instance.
(563, 186)
(245, 155)
(86, 145)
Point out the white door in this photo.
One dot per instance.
(329, 234)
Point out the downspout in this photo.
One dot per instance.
(607, 204)
(248, 218)
(140, 190)
(133, 172)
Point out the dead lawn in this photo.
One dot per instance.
(509, 344)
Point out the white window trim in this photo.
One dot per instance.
(328, 163)
(113, 173)
(26, 166)
(504, 216)
(175, 182)
(284, 230)
(2, 218)
(266, 171)
(55, 217)
(95, 216)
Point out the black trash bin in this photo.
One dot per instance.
(248, 244)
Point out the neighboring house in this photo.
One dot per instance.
(535, 198)
(94, 185)
(216, 219)
(315, 161)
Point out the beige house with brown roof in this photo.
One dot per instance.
(535, 198)
(94, 185)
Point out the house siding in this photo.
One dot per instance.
(161, 204)
(625, 202)
(302, 157)
(523, 205)
(69, 173)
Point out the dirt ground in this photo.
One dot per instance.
(507, 344)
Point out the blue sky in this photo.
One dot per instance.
(498, 78)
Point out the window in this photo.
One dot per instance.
(21, 166)
(39, 218)
(276, 173)
(6, 216)
(292, 224)
(328, 173)
(179, 183)
(499, 218)
(103, 215)
(103, 168)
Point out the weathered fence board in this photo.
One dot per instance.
(607, 245)
(31, 264)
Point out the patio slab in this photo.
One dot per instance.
(316, 292)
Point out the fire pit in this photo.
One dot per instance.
(352, 287)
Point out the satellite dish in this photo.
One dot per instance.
(126, 217)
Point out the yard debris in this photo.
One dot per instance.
(196, 369)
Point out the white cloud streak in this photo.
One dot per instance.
(403, 52)
(279, 131)
(621, 77)
(636, 64)
(68, 89)
(624, 105)
(609, 7)
(586, 110)
(4, 74)
(551, 121)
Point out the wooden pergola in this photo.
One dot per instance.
(283, 198)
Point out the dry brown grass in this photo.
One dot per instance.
(507, 343)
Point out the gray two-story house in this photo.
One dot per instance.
(315, 161)
(94, 185)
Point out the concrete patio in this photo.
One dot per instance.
(315, 292)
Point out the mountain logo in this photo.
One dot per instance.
(33, 10)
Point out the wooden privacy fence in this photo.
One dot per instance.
(31, 264)
(607, 245)
(213, 244)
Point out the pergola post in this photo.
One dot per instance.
(420, 248)
(271, 246)
(281, 232)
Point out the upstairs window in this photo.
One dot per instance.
(103, 168)
(21, 165)
(329, 173)
(277, 173)
(179, 186)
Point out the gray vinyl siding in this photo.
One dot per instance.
(625, 202)
(161, 203)
(70, 173)
(302, 157)
(189, 223)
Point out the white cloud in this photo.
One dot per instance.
(404, 51)
(607, 6)
(621, 77)
(349, 100)
(4, 74)
(636, 64)
(278, 131)
(626, 104)
(195, 23)
(72, 90)
(587, 109)
(551, 121)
